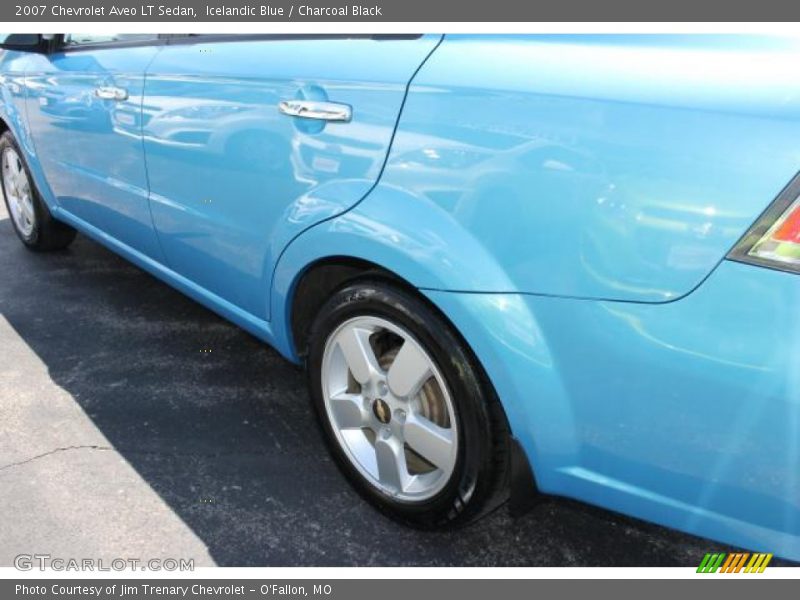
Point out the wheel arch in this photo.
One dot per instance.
(319, 280)
(445, 265)
(12, 121)
(315, 284)
(393, 234)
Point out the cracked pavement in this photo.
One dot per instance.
(123, 436)
(54, 451)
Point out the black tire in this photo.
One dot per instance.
(47, 233)
(480, 479)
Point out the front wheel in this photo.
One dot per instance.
(30, 217)
(409, 416)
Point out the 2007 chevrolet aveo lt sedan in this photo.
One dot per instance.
(511, 265)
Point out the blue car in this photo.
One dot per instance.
(512, 265)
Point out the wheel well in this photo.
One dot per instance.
(322, 279)
(318, 283)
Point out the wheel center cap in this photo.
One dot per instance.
(382, 411)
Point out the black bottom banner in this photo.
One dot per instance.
(391, 589)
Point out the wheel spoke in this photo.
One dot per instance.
(15, 211)
(13, 165)
(8, 175)
(26, 208)
(391, 458)
(348, 410)
(433, 443)
(22, 183)
(409, 370)
(16, 174)
(358, 353)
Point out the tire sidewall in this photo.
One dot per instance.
(473, 461)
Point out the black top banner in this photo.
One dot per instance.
(315, 11)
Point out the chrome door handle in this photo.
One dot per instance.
(323, 111)
(111, 93)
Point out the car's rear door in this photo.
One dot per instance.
(234, 176)
(84, 110)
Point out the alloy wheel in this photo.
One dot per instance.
(18, 191)
(390, 408)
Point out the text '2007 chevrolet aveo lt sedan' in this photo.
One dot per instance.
(511, 265)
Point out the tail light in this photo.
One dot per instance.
(774, 241)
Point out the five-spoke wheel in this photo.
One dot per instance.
(405, 407)
(390, 407)
(18, 192)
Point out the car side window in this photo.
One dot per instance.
(72, 40)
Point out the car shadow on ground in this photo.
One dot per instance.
(220, 426)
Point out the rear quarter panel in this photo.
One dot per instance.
(608, 167)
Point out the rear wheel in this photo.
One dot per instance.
(30, 217)
(404, 406)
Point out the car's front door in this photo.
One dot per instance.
(84, 110)
(235, 174)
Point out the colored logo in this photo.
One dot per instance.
(734, 563)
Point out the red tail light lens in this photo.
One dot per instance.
(781, 243)
(789, 229)
(774, 241)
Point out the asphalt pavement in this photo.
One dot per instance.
(136, 423)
